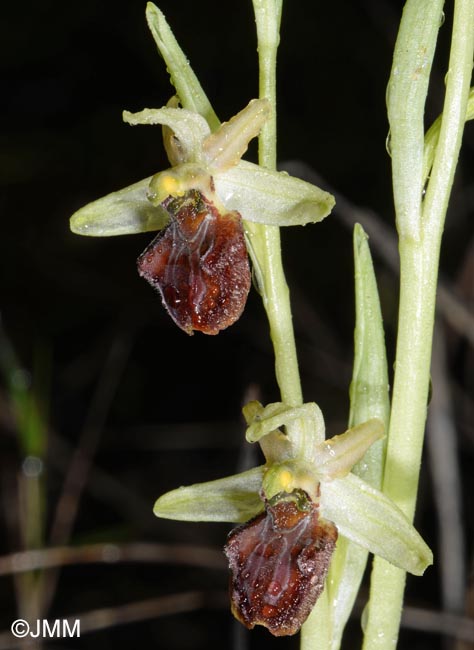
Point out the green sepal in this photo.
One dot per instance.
(281, 200)
(125, 212)
(190, 128)
(234, 498)
(272, 198)
(305, 430)
(370, 519)
(278, 414)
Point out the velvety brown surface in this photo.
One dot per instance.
(279, 561)
(199, 264)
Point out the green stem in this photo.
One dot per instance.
(276, 299)
(265, 240)
(419, 261)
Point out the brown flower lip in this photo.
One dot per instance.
(279, 561)
(199, 264)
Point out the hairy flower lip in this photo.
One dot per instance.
(279, 561)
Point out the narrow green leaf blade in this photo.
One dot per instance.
(234, 498)
(432, 137)
(187, 85)
(369, 391)
(369, 395)
(406, 97)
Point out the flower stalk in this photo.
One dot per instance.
(265, 246)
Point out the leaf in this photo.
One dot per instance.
(369, 391)
(368, 518)
(234, 498)
(125, 212)
(270, 197)
(432, 137)
(187, 85)
(345, 575)
(406, 97)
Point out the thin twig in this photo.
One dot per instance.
(103, 486)
(433, 622)
(107, 617)
(110, 554)
(83, 456)
(82, 460)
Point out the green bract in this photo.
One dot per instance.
(369, 393)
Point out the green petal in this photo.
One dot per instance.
(335, 457)
(234, 498)
(190, 91)
(224, 148)
(365, 516)
(125, 212)
(190, 128)
(270, 197)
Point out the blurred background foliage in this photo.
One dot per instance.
(105, 404)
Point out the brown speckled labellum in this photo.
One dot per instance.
(279, 561)
(199, 264)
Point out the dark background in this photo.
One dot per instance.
(114, 390)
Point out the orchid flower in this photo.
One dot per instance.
(198, 262)
(313, 474)
(260, 195)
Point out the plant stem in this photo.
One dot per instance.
(419, 261)
(265, 240)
